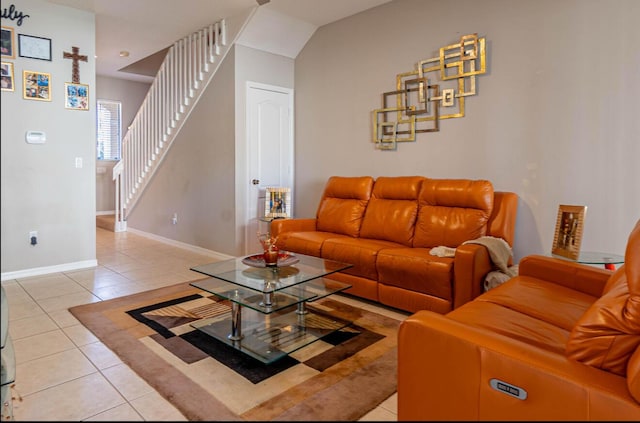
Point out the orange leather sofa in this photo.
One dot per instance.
(557, 342)
(386, 227)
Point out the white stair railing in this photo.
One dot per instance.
(185, 72)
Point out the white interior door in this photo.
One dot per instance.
(269, 149)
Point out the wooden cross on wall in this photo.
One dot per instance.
(75, 76)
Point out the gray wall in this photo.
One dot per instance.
(131, 94)
(195, 180)
(555, 119)
(42, 190)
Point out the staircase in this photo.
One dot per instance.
(185, 72)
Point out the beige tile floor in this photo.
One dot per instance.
(63, 372)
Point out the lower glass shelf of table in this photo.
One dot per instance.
(272, 312)
(275, 336)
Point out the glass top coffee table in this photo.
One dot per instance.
(270, 313)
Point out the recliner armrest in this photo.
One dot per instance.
(584, 278)
(470, 267)
(280, 227)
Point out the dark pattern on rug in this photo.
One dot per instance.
(194, 345)
(162, 328)
(247, 366)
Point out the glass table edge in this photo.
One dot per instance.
(309, 291)
(238, 262)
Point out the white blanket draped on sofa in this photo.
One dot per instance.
(500, 253)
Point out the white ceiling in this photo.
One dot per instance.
(146, 27)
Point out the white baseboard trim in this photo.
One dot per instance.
(106, 212)
(173, 242)
(38, 271)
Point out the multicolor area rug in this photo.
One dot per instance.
(339, 377)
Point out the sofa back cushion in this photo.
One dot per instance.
(451, 211)
(392, 210)
(343, 204)
(608, 334)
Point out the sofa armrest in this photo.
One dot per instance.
(445, 368)
(280, 227)
(470, 267)
(584, 278)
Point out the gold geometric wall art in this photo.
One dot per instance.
(435, 90)
(386, 132)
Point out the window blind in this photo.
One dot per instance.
(109, 130)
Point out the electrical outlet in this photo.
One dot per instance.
(174, 219)
(33, 237)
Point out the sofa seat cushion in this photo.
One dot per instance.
(496, 318)
(360, 252)
(546, 301)
(531, 310)
(417, 270)
(309, 243)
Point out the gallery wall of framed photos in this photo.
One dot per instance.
(32, 80)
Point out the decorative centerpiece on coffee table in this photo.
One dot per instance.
(270, 249)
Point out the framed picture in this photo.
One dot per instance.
(76, 96)
(277, 202)
(7, 43)
(568, 235)
(34, 47)
(7, 81)
(36, 86)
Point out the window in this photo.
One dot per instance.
(109, 130)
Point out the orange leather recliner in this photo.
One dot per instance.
(557, 342)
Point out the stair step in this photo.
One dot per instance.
(106, 221)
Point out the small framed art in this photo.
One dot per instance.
(7, 43)
(34, 47)
(36, 86)
(7, 77)
(277, 202)
(568, 235)
(76, 96)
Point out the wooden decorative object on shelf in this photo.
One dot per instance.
(568, 235)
